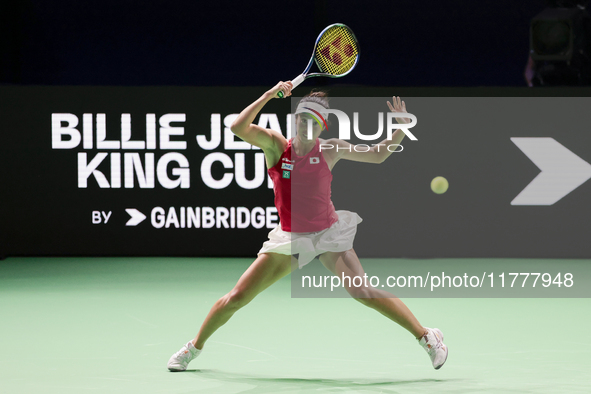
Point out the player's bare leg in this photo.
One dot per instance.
(267, 269)
(347, 263)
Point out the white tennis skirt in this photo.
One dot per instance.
(337, 238)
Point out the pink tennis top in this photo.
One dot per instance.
(302, 191)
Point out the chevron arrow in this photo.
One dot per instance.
(136, 217)
(562, 171)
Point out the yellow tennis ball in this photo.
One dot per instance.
(439, 185)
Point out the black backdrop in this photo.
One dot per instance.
(254, 43)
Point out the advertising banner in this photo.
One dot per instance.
(156, 171)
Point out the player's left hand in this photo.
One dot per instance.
(398, 106)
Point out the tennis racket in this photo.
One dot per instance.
(336, 53)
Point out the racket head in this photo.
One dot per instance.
(336, 52)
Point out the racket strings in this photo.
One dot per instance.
(337, 51)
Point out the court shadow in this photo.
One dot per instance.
(295, 385)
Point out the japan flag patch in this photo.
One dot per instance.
(314, 160)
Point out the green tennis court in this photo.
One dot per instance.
(98, 325)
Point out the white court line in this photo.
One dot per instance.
(244, 347)
(266, 359)
(141, 321)
(329, 359)
(103, 378)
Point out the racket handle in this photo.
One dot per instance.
(295, 82)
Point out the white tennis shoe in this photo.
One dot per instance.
(182, 358)
(432, 342)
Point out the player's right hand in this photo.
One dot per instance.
(285, 87)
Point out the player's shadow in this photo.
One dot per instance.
(285, 385)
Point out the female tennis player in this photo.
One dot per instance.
(309, 225)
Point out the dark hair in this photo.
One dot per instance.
(316, 96)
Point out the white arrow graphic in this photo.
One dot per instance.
(136, 217)
(562, 171)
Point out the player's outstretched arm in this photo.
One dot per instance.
(397, 137)
(252, 133)
(379, 152)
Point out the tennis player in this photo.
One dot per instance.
(309, 225)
